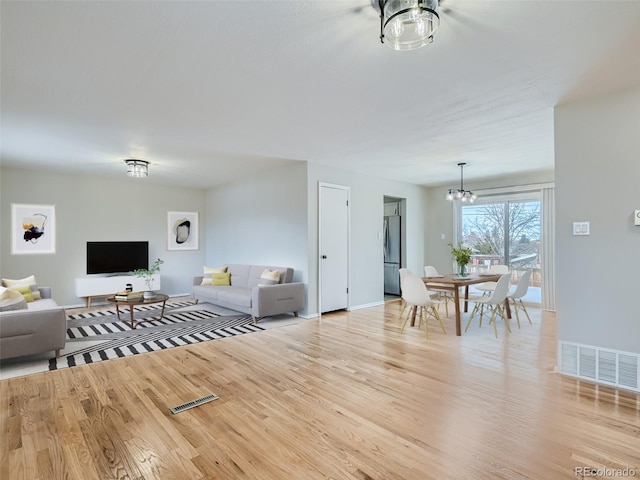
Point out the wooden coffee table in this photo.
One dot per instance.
(157, 298)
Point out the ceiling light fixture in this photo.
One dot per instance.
(461, 194)
(137, 168)
(408, 24)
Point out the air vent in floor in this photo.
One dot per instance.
(193, 403)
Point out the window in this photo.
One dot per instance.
(505, 230)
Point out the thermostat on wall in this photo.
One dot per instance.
(581, 228)
(636, 217)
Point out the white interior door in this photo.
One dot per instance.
(333, 230)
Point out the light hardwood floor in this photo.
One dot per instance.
(343, 397)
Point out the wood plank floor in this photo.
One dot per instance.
(343, 397)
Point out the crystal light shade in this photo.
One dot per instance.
(408, 24)
(137, 168)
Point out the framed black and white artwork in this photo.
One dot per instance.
(182, 231)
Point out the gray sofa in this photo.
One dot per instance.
(245, 295)
(42, 327)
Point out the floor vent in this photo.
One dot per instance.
(194, 403)
(602, 365)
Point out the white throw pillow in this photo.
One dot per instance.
(7, 282)
(269, 277)
(11, 300)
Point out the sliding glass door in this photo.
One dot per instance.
(505, 230)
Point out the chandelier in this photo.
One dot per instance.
(408, 24)
(137, 168)
(461, 194)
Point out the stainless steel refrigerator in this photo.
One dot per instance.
(392, 254)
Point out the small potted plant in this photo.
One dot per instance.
(462, 255)
(147, 275)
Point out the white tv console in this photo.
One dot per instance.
(94, 287)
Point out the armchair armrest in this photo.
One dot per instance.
(197, 280)
(275, 299)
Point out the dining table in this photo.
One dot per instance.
(454, 283)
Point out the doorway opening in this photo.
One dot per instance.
(393, 245)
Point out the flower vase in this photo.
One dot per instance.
(148, 294)
(462, 270)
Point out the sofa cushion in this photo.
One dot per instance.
(256, 274)
(269, 277)
(206, 292)
(11, 300)
(239, 275)
(25, 291)
(27, 281)
(208, 271)
(35, 292)
(220, 279)
(236, 295)
(44, 304)
(9, 283)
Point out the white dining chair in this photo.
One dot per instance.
(416, 295)
(487, 287)
(495, 303)
(445, 295)
(518, 293)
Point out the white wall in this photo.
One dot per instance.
(367, 212)
(96, 208)
(597, 147)
(261, 220)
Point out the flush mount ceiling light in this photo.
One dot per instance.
(408, 24)
(137, 168)
(461, 194)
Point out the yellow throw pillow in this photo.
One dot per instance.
(220, 279)
(7, 282)
(25, 291)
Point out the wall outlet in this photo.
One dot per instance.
(636, 217)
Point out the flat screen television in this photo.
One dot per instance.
(116, 257)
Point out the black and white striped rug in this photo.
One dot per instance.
(101, 336)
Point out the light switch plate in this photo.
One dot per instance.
(581, 228)
(636, 217)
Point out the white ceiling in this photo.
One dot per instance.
(208, 90)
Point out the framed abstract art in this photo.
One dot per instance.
(33, 229)
(182, 231)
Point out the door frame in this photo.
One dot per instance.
(322, 185)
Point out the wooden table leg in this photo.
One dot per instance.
(118, 311)
(162, 312)
(466, 299)
(456, 298)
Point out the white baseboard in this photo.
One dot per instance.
(366, 305)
